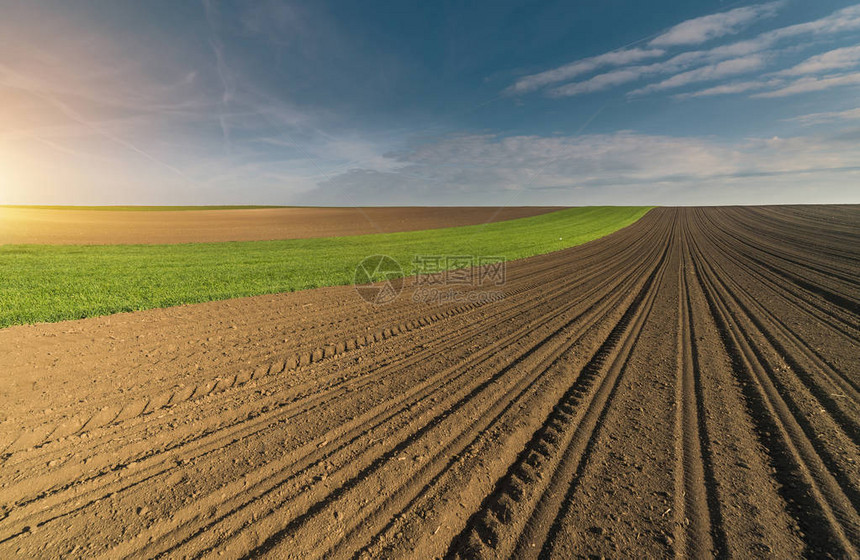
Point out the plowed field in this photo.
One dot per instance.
(687, 385)
(65, 226)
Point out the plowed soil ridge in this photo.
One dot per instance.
(686, 386)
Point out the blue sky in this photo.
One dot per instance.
(414, 103)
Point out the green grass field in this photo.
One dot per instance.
(52, 283)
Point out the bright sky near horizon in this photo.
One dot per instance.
(429, 103)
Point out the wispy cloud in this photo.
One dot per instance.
(840, 21)
(693, 31)
(809, 84)
(792, 80)
(707, 64)
(846, 19)
(710, 72)
(732, 88)
(837, 59)
(702, 29)
(583, 66)
(827, 117)
(604, 81)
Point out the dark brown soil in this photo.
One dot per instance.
(686, 386)
(109, 227)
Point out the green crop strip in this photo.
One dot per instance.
(41, 283)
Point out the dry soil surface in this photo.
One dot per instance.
(108, 227)
(686, 386)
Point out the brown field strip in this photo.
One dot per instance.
(686, 386)
(19, 225)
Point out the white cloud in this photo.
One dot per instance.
(779, 83)
(808, 84)
(583, 66)
(726, 89)
(846, 19)
(779, 86)
(678, 63)
(829, 116)
(716, 71)
(600, 82)
(837, 59)
(701, 29)
(594, 169)
(689, 32)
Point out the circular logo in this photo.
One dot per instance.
(378, 279)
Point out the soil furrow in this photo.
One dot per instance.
(806, 481)
(686, 386)
(575, 416)
(693, 533)
(265, 420)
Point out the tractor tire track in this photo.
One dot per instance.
(686, 386)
